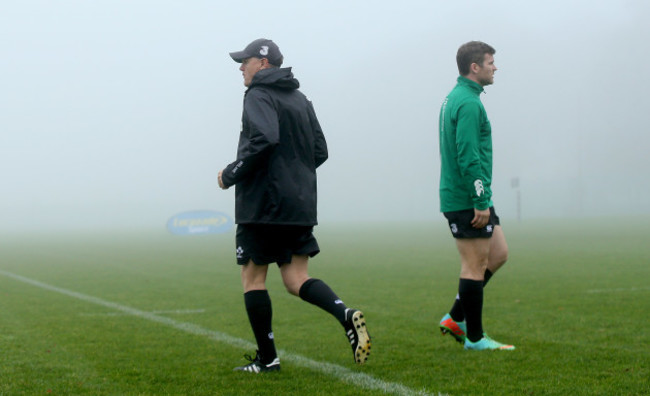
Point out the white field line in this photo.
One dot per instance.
(358, 379)
(179, 311)
(158, 312)
(619, 289)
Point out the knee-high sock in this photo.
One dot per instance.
(471, 298)
(456, 311)
(260, 314)
(316, 292)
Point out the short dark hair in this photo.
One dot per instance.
(472, 52)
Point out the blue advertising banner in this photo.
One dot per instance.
(199, 222)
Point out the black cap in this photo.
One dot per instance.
(260, 48)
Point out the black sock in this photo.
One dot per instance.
(456, 311)
(486, 277)
(260, 314)
(316, 292)
(471, 298)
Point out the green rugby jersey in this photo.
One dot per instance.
(465, 149)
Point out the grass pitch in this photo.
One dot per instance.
(149, 313)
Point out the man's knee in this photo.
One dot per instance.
(294, 274)
(501, 257)
(473, 269)
(253, 276)
(292, 285)
(498, 257)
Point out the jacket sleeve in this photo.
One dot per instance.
(320, 145)
(262, 122)
(469, 160)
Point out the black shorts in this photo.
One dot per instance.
(270, 243)
(460, 224)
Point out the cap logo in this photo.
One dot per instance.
(264, 50)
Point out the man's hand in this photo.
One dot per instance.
(221, 185)
(481, 218)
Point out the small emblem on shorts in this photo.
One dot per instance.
(240, 252)
(338, 301)
(489, 228)
(270, 335)
(454, 228)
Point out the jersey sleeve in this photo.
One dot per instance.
(468, 149)
(320, 145)
(263, 125)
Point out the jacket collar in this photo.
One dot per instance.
(278, 77)
(474, 86)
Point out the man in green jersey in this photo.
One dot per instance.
(466, 196)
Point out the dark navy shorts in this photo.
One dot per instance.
(271, 243)
(460, 224)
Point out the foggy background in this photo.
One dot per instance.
(121, 113)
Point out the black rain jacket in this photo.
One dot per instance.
(280, 146)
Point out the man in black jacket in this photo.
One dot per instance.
(280, 146)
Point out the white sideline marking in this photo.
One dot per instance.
(618, 289)
(179, 311)
(355, 378)
(170, 311)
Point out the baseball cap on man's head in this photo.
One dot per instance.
(260, 48)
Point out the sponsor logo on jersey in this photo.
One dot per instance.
(199, 222)
(236, 168)
(478, 185)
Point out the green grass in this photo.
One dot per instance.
(574, 299)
